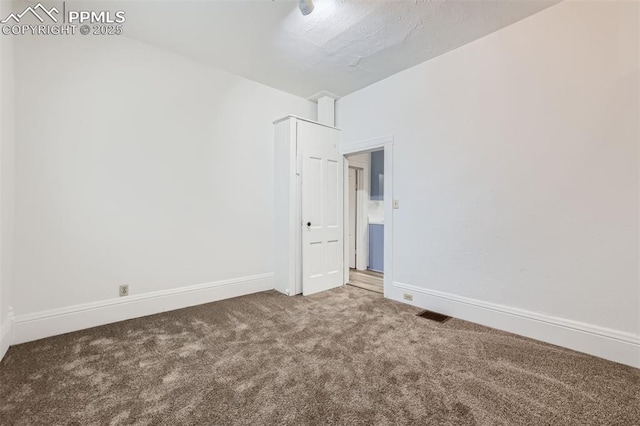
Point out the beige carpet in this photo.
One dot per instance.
(342, 357)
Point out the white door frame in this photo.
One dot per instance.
(363, 209)
(361, 255)
(386, 143)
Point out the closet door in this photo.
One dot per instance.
(322, 208)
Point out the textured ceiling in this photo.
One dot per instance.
(341, 47)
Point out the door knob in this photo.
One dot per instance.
(308, 223)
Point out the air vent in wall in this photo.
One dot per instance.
(434, 316)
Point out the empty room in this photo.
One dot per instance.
(320, 212)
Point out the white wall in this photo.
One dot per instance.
(6, 182)
(137, 166)
(376, 211)
(516, 167)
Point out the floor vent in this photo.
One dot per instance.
(434, 316)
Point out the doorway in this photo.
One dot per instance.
(365, 213)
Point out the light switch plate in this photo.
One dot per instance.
(396, 204)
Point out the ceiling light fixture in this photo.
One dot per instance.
(306, 6)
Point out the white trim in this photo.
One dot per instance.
(603, 342)
(638, 234)
(345, 220)
(296, 205)
(362, 191)
(6, 334)
(304, 119)
(362, 219)
(362, 233)
(287, 274)
(363, 212)
(389, 196)
(385, 142)
(367, 145)
(64, 320)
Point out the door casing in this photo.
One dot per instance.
(355, 237)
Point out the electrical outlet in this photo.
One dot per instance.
(396, 204)
(124, 290)
(408, 296)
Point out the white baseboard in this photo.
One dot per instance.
(59, 321)
(594, 340)
(6, 335)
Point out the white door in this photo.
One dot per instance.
(353, 214)
(322, 208)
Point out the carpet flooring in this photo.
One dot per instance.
(346, 356)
